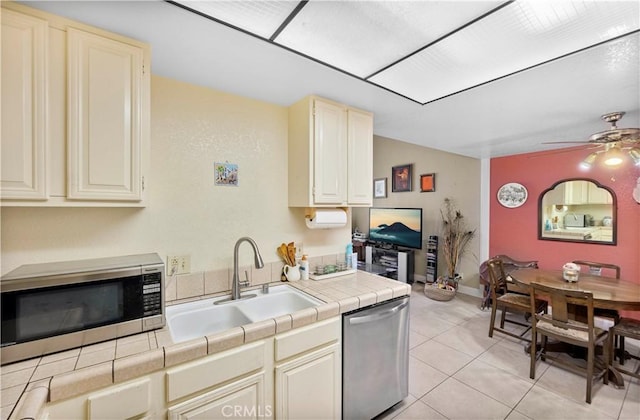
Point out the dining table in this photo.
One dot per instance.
(608, 293)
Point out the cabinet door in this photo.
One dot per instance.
(242, 399)
(106, 89)
(576, 192)
(24, 117)
(598, 195)
(330, 153)
(360, 158)
(309, 387)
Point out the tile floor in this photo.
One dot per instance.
(457, 372)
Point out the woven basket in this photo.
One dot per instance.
(435, 293)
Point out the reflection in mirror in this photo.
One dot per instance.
(577, 210)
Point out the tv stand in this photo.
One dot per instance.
(390, 262)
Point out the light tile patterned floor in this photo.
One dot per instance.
(457, 372)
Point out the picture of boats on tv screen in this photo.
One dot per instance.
(401, 227)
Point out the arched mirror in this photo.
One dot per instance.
(578, 210)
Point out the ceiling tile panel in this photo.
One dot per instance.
(262, 18)
(514, 38)
(364, 37)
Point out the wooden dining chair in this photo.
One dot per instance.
(627, 327)
(504, 300)
(560, 327)
(596, 269)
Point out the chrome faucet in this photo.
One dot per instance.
(235, 284)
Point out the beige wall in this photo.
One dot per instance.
(457, 177)
(191, 128)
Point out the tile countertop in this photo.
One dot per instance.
(28, 385)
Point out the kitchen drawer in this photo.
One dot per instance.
(121, 402)
(306, 338)
(195, 376)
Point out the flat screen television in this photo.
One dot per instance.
(396, 227)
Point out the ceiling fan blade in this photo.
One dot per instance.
(567, 150)
(551, 152)
(565, 142)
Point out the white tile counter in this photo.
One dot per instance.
(28, 385)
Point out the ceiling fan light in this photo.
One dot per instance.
(587, 163)
(635, 155)
(614, 157)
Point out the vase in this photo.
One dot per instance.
(292, 273)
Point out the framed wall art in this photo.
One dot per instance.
(226, 174)
(380, 188)
(427, 182)
(512, 195)
(401, 178)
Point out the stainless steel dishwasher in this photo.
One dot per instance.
(375, 358)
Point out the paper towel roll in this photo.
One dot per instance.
(327, 219)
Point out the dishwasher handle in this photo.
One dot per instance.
(355, 320)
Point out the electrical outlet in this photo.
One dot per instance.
(173, 263)
(178, 264)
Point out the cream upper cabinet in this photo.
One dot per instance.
(106, 83)
(24, 111)
(75, 113)
(598, 195)
(576, 192)
(360, 157)
(330, 154)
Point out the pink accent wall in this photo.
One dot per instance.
(514, 232)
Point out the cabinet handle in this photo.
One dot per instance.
(377, 316)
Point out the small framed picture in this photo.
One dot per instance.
(401, 178)
(226, 174)
(427, 183)
(380, 188)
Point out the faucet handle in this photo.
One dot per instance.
(246, 281)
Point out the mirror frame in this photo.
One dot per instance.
(614, 214)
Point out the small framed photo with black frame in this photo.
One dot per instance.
(428, 183)
(401, 178)
(380, 188)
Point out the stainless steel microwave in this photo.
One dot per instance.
(52, 307)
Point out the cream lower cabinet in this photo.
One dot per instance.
(217, 386)
(308, 372)
(330, 154)
(75, 113)
(293, 375)
(138, 398)
(243, 399)
(308, 387)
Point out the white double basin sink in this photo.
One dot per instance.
(203, 317)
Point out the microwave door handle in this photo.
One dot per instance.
(377, 316)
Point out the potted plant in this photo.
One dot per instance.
(456, 237)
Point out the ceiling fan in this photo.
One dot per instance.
(614, 140)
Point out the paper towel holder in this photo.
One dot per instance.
(325, 218)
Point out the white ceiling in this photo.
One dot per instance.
(496, 82)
